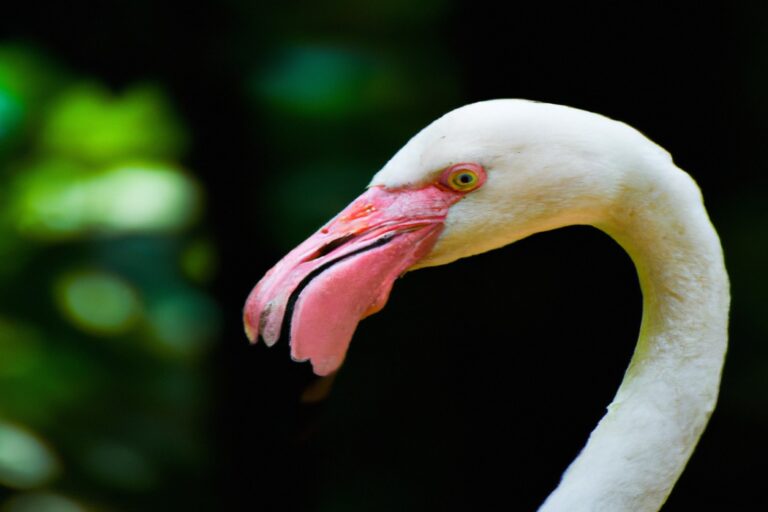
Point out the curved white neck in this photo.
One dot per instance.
(638, 450)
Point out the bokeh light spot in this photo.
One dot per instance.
(315, 80)
(56, 200)
(98, 302)
(136, 198)
(25, 460)
(88, 123)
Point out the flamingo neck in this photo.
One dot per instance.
(639, 449)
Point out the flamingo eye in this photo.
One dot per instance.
(463, 177)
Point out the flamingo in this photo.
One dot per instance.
(491, 173)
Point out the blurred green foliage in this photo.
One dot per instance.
(89, 124)
(105, 318)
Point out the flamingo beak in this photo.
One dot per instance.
(316, 295)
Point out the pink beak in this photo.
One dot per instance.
(318, 293)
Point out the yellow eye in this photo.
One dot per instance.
(464, 177)
(463, 180)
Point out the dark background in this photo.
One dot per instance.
(480, 381)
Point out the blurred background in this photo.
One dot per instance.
(156, 160)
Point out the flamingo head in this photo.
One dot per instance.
(480, 177)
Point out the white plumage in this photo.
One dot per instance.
(551, 166)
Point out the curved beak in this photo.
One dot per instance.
(316, 295)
